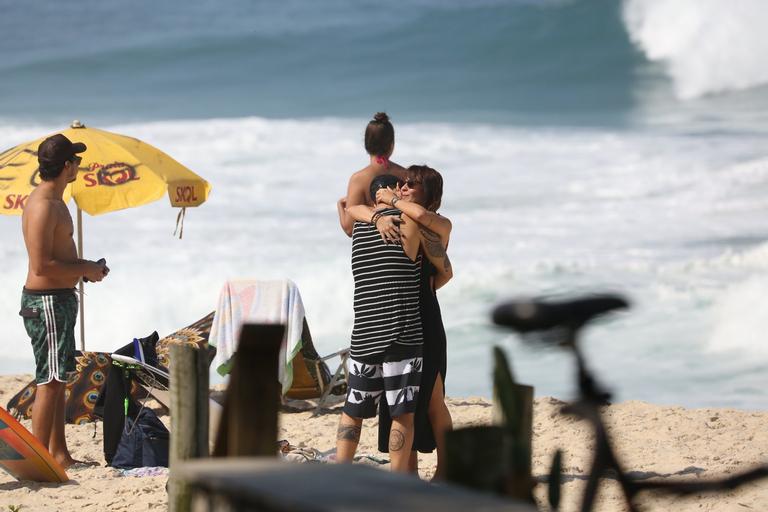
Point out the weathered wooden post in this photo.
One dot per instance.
(476, 457)
(497, 458)
(189, 416)
(248, 424)
(513, 411)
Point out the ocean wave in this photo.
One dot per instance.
(707, 46)
(490, 60)
(553, 62)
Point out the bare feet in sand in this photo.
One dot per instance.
(70, 463)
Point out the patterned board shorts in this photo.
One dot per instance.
(398, 381)
(49, 318)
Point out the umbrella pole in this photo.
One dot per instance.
(80, 284)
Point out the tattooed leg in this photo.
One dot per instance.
(349, 433)
(396, 440)
(400, 442)
(347, 437)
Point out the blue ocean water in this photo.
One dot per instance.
(586, 145)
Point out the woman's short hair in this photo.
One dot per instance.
(431, 182)
(379, 135)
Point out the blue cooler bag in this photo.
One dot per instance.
(144, 442)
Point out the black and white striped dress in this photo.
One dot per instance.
(387, 318)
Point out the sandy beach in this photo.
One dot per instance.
(651, 439)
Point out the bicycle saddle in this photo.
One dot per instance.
(538, 315)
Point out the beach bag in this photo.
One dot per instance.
(115, 394)
(144, 442)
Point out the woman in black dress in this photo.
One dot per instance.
(420, 199)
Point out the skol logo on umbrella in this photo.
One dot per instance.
(186, 193)
(110, 175)
(15, 201)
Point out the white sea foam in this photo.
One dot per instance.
(707, 46)
(534, 211)
(741, 319)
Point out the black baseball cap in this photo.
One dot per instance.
(57, 149)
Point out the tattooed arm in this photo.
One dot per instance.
(414, 235)
(435, 249)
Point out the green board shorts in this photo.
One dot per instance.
(49, 318)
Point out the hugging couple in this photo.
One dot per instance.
(397, 364)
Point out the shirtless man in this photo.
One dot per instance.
(48, 301)
(379, 144)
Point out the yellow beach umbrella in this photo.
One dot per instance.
(116, 172)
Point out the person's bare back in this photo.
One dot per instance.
(360, 182)
(358, 189)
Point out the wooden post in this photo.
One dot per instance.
(497, 458)
(476, 458)
(189, 416)
(248, 424)
(519, 482)
(513, 411)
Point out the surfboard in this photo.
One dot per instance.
(23, 456)
(148, 375)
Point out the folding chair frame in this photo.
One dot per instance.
(340, 376)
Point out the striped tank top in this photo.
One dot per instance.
(387, 318)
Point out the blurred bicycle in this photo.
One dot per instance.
(560, 322)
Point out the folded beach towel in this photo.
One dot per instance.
(261, 302)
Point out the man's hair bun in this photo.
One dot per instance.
(381, 117)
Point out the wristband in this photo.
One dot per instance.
(394, 201)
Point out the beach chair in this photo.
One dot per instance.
(312, 378)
